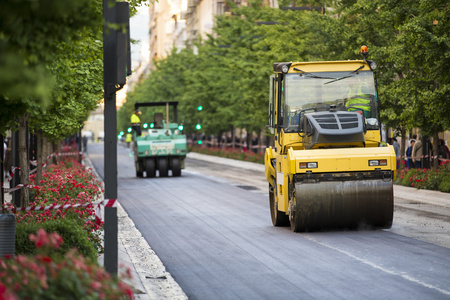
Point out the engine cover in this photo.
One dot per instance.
(328, 128)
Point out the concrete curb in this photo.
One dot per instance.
(423, 196)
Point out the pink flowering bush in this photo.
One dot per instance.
(43, 276)
(67, 183)
(438, 179)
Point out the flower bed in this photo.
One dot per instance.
(438, 179)
(66, 183)
(44, 276)
(47, 266)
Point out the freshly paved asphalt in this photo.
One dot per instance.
(217, 242)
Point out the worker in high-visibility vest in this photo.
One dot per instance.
(136, 122)
(128, 139)
(359, 99)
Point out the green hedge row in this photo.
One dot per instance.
(71, 232)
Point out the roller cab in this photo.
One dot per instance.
(327, 168)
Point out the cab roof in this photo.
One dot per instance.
(322, 66)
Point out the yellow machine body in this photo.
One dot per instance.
(327, 167)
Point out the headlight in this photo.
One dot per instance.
(308, 165)
(376, 163)
(284, 69)
(372, 121)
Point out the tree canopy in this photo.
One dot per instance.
(228, 72)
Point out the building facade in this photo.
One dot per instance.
(178, 23)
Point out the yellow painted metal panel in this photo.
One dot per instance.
(345, 159)
(329, 66)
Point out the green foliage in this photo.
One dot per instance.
(228, 72)
(51, 54)
(444, 186)
(30, 33)
(72, 233)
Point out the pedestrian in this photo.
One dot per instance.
(136, 122)
(409, 161)
(442, 150)
(417, 154)
(396, 148)
(446, 149)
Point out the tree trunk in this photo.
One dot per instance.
(249, 140)
(403, 145)
(45, 152)
(219, 137)
(435, 164)
(233, 138)
(39, 158)
(55, 148)
(260, 137)
(24, 162)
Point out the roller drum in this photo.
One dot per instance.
(342, 204)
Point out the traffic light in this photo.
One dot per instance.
(199, 108)
(121, 133)
(199, 142)
(181, 127)
(198, 126)
(145, 125)
(152, 125)
(129, 129)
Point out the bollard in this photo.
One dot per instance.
(7, 234)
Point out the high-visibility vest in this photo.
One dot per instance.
(358, 100)
(135, 119)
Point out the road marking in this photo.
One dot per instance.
(375, 266)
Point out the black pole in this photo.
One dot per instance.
(110, 142)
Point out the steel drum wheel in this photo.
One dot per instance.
(349, 204)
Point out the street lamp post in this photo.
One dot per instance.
(116, 65)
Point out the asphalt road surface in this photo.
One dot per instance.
(217, 241)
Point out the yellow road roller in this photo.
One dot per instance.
(327, 168)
